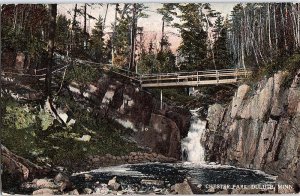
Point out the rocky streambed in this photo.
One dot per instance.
(160, 178)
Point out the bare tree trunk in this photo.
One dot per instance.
(113, 35)
(290, 34)
(269, 31)
(295, 28)
(247, 37)
(104, 20)
(259, 28)
(275, 29)
(52, 28)
(73, 34)
(1, 166)
(15, 18)
(297, 16)
(243, 37)
(133, 32)
(84, 28)
(74, 17)
(124, 10)
(283, 27)
(253, 47)
(22, 19)
(162, 35)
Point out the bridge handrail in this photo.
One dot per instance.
(194, 75)
(199, 73)
(217, 75)
(206, 71)
(129, 73)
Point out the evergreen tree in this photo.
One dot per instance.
(23, 31)
(97, 48)
(222, 58)
(62, 33)
(218, 25)
(121, 42)
(166, 61)
(166, 20)
(125, 27)
(194, 36)
(194, 26)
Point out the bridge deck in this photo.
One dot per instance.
(178, 79)
(197, 78)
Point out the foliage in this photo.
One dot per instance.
(23, 31)
(18, 132)
(167, 11)
(57, 145)
(193, 46)
(98, 48)
(259, 33)
(288, 64)
(83, 74)
(166, 61)
(147, 64)
(62, 33)
(121, 37)
(18, 117)
(222, 57)
(195, 20)
(46, 119)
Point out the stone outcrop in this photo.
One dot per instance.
(155, 128)
(183, 188)
(260, 129)
(133, 157)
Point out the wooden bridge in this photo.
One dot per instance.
(185, 79)
(161, 80)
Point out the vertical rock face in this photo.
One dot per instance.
(260, 129)
(159, 130)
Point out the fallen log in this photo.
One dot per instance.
(20, 167)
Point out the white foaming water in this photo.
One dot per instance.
(192, 150)
(120, 170)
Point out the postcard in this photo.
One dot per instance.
(150, 98)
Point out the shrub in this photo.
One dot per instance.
(83, 74)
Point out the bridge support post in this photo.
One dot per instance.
(161, 97)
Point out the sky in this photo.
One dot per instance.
(152, 24)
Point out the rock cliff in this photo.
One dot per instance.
(259, 129)
(159, 129)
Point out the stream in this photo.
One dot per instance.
(159, 177)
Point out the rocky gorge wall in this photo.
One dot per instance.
(159, 130)
(259, 129)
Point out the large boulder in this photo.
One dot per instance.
(163, 136)
(44, 191)
(183, 188)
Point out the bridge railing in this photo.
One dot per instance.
(189, 72)
(196, 76)
(126, 73)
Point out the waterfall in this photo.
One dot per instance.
(192, 149)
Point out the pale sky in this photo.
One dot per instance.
(152, 24)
